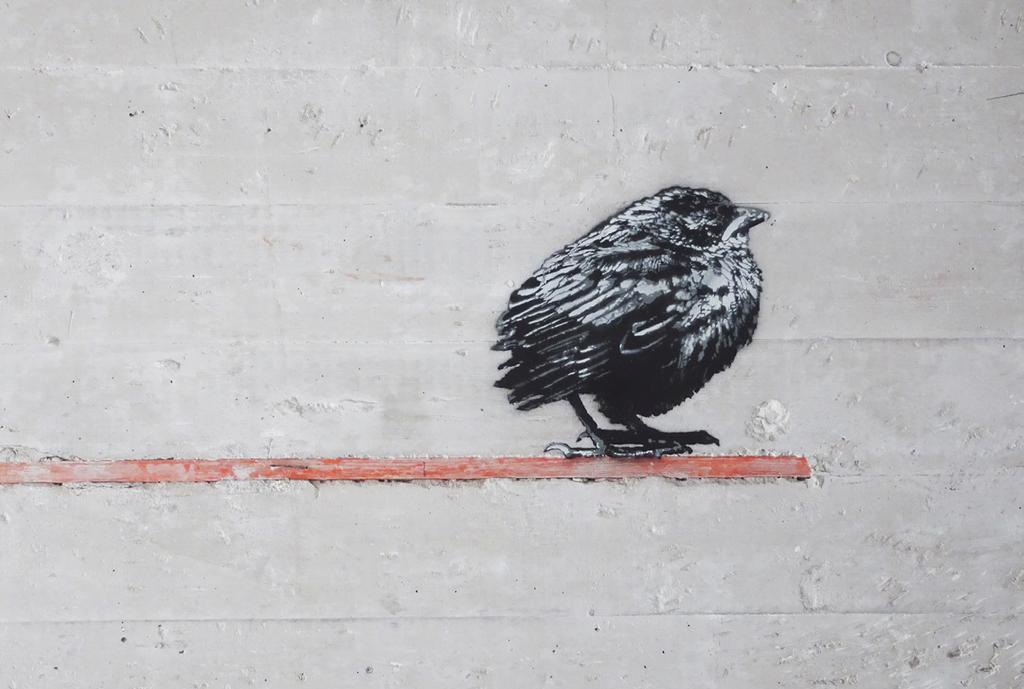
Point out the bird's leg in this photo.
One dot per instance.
(669, 442)
(590, 430)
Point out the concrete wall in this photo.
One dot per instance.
(285, 228)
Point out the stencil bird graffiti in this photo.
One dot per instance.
(640, 312)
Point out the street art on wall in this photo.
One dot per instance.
(639, 313)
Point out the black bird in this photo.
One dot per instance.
(640, 313)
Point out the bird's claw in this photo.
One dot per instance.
(705, 439)
(686, 438)
(656, 451)
(569, 452)
(619, 451)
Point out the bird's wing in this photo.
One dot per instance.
(686, 306)
(584, 308)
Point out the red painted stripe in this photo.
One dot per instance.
(399, 469)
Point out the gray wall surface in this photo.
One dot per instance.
(259, 228)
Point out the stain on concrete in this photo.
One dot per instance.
(293, 405)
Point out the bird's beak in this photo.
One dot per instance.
(746, 217)
(753, 216)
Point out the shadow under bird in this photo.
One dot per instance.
(639, 313)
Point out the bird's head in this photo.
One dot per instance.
(705, 218)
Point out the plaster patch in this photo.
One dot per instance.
(770, 420)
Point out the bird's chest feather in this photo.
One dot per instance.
(724, 299)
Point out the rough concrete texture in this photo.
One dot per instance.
(260, 228)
